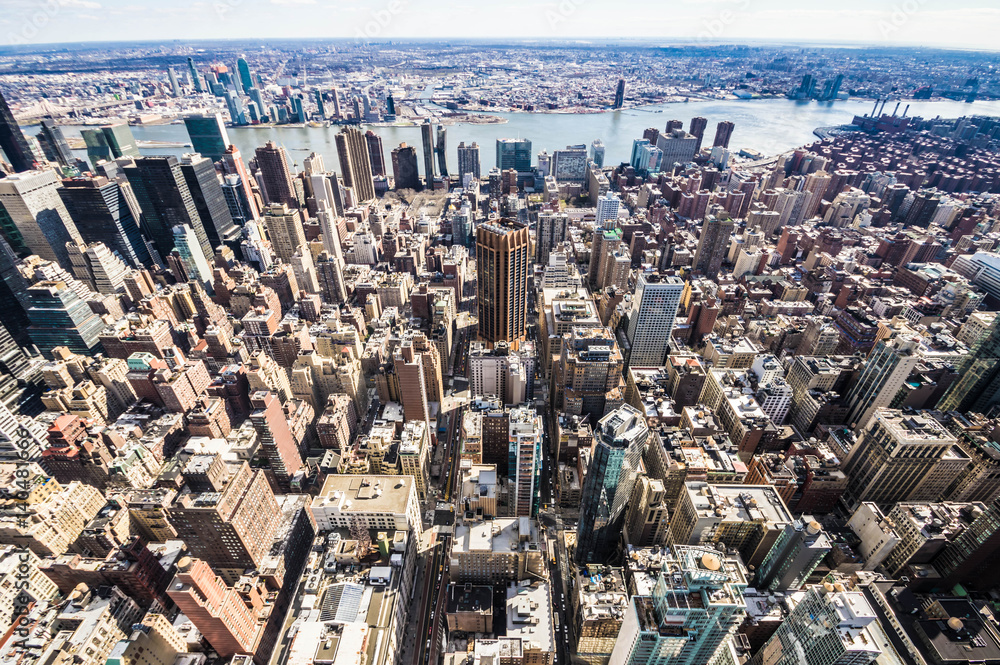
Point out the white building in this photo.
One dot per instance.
(377, 502)
(651, 321)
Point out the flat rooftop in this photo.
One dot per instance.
(365, 494)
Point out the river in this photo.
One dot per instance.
(770, 126)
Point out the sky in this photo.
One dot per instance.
(971, 24)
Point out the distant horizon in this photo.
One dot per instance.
(581, 41)
(962, 25)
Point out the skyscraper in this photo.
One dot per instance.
(468, 160)
(525, 430)
(441, 151)
(552, 229)
(39, 217)
(651, 321)
(619, 94)
(233, 163)
(276, 441)
(716, 233)
(697, 604)
(54, 143)
(246, 79)
(230, 522)
(597, 152)
(607, 210)
(276, 176)
(208, 134)
(901, 457)
(284, 228)
(698, 125)
(189, 251)
(723, 132)
(978, 385)
(427, 137)
(375, 153)
(825, 627)
(619, 440)
(331, 266)
(120, 140)
(210, 202)
(514, 154)
(502, 272)
(800, 547)
(886, 368)
(166, 201)
(355, 164)
(12, 141)
(405, 172)
(60, 317)
(101, 214)
(199, 86)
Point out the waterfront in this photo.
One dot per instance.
(770, 126)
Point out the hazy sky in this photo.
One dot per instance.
(951, 23)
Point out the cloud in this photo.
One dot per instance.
(293, 2)
(81, 4)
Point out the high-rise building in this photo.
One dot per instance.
(588, 374)
(199, 85)
(233, 164)
(404, 167)
(355, 164)
(799, 549)
(677, 146)
(195, 264)
(525, 464)
(651, 321)
(619, 95)
(597, 152)
(825, 627)
(277, 444)
(210, 201)
(246, 78)
(284, 227)
(54, 144)
(901, 457)
(60, 317)
(427, 138)
(502, 270)
(619, 441)
(166, 201)
(607, 210)
(102, 214)
(514, 154)
(375, 153)
(970, 559)
(552, 229)
(886, 368)
(230, 523)
(228, 623)
(713, 244)
(723, 132)
(208, 134)
(120, 140)
(468, 160)
(276, 175)
(698, 125)
(978, 385)
(441, 151)
(667, 628)
(37, 216)
(12, 141)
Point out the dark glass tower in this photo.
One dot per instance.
(210, 201)
(12, 141)
(978, 385)
(502, 257)
(166, 201)
(54, 144)
(620, 439)
(59, 317)
(101, 213)
(208, 134)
